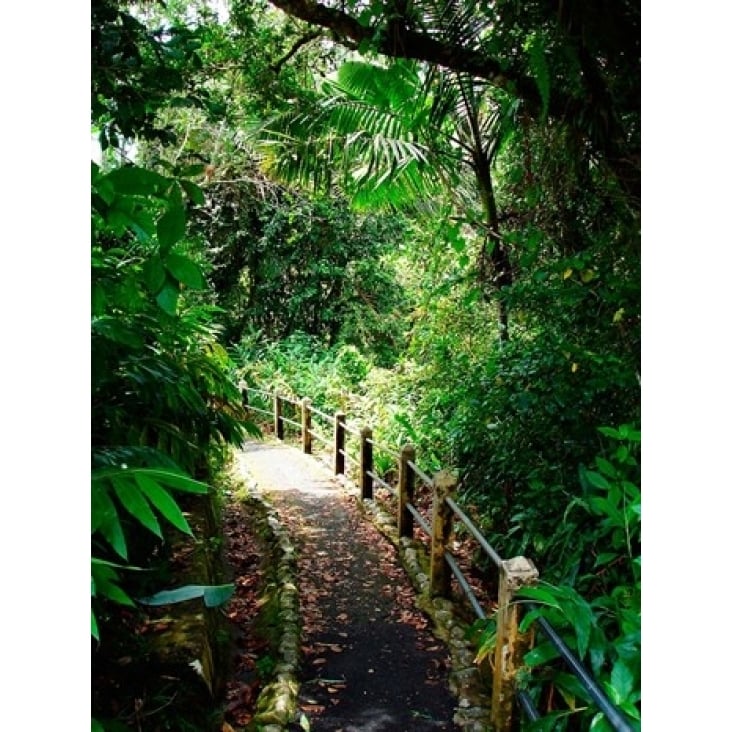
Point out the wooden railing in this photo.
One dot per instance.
(513, 574)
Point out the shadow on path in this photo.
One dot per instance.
(370, 662)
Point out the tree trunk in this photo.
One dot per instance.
(494, 250)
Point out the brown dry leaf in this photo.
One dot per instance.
(319, 661)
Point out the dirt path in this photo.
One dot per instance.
(370, 661)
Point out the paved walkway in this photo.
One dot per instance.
(370, 661)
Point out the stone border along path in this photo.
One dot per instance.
(354, 655)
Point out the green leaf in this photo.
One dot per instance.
(102, 507)
(106, 583)
(177, 480)
(194, 192)
(213, 595)
(597, 480)
(167, 298)
(154, 272)
(541, 654)
(96, 726)
(622, 681)
(171, 227)
(600, 724)
(606, 467)
(191, 170)
(105, 518)
(131, 180)
(136, 504)
(99, 299)
(186, 271)
(165, 476)
(580, 615)
(604, 558)
(163, 501)
(94, 628)
(540, 594)
(114, 330)
(609, 432)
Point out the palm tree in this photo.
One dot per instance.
(394, 135)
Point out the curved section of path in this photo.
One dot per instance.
(370, 662)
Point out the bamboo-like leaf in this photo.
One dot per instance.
(163, 501)
(106, 584)
(105, 518)
(136, 504)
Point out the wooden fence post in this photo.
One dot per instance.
(405, 520)
(307, 424)
(367, 463)
(279, 424)
(340, 443)
(510, 644)
(442, 516)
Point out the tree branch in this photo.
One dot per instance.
(398, 40)
(402, 42)
(277, 66)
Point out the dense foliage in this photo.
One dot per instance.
(426, 213)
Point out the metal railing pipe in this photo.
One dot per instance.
(614, 716)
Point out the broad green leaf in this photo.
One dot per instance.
(171, 227)
(136, 504)
(604, 558)
(540, 594)
(622, 681)
(96, 726)
(131, 180)
(163, 501)
(167, 298)
(193, 192)
(94, 629)
(541, 654)
(186, 271)
(580, 615)
(213, 595)
(597, 480)
(154, 272)
(606, 467)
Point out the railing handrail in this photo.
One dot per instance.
(613, 715)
